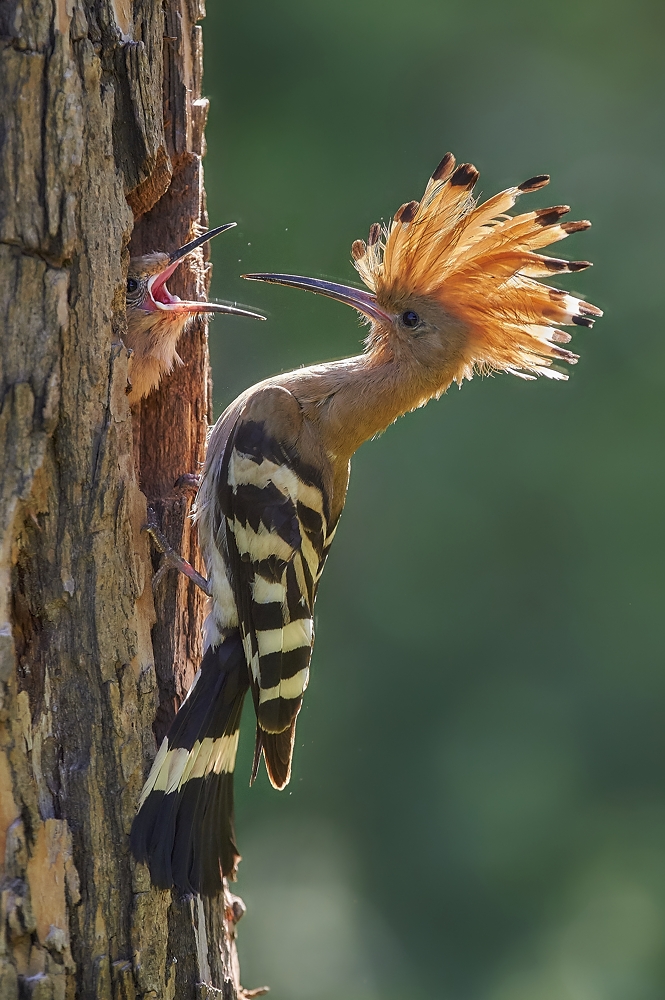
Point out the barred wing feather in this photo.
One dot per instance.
(276, 523)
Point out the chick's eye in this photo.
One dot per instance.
(410, 318)
(132, 284)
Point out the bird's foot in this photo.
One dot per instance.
(172, 559)
(188, 481)
(234, 907)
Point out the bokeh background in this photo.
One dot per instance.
(477, 810)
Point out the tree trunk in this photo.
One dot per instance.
(101, 139)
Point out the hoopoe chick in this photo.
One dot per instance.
(156, 319)
(452, 289)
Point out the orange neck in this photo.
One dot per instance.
(355, 399)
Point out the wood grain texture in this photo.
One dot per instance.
(101, 137)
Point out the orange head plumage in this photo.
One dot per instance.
(464, 275)
(481, 265)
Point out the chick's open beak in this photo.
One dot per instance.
(357, 298)
(159, 297)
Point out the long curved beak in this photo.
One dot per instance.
(163, 299)
(357, 298)
(220, 307)
(181, 252)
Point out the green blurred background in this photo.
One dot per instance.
(478, 802)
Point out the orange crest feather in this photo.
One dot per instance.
(480, 265)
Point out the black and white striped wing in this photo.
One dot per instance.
(276, 520)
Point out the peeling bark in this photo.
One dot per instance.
(101, 139)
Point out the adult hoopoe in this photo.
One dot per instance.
(452, 290)
(156, 318)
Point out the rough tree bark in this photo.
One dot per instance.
(101, 138)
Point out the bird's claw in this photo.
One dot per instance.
(234, 907)
(172, 559)
(188, 481)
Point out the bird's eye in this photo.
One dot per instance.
(410, 318)
(132, 284)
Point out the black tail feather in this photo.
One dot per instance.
(278, 754)
(258, 750)
(186, 833)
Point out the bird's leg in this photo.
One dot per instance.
(172, 559)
